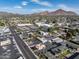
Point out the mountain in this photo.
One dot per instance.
(62, 12)
(44, 13)
(8, 14)
(4, 13)
(57, 12)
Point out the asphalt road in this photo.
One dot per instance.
(23, 47)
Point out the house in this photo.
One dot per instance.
(20, 25)
(43, 40)
(72, 45)
(49, 55)
(43, 24)
(57, 40)
(44, 33)
(7, 42)
(74, 56)
(40, 46)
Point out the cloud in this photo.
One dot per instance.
(43, 3)
(41, 10)
(59, 6)
(65, 7)
(35, 0)
(24, 3)
(19, 7)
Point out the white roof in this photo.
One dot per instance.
(24, 24)
(7, 42)
(58, 40)
(43, 24)
(1, 29)
(6, 30)
(43, 40)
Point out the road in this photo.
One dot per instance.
(27, 53)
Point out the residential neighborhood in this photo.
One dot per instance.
(39, 29)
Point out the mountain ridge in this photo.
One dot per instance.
(57, 12)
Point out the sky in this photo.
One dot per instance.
(36, 6)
